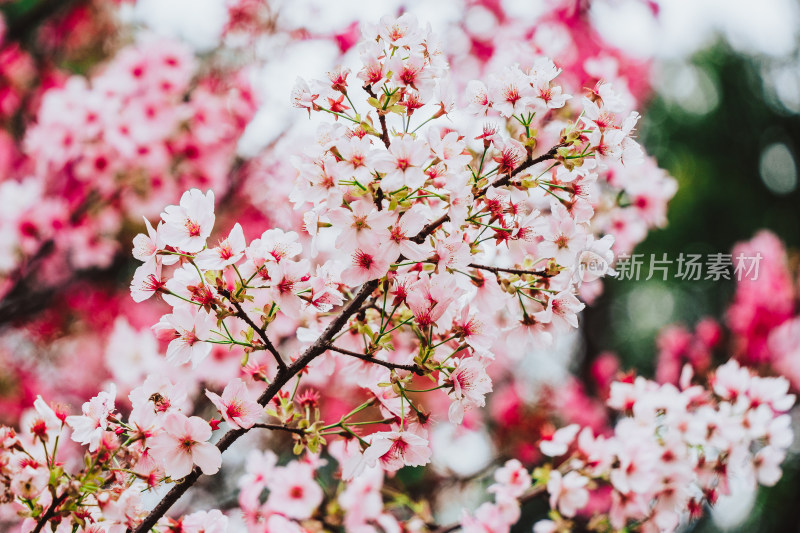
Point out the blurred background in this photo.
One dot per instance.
(723, 120)
(721, 113)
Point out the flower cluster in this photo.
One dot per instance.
(512, 484)
(102, 149)
(672, 450)
(123, 455)
(432, 245)
(439, 237)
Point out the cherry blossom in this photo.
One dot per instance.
(183, 443)
(187, 329)
(228, 252)
(188, 225)
(293, 491)
(469, 383)
(403, 268)
(235, 405)
(368, 263)
(568, 492)
(88, 428)
(394, 449)
(402, 166)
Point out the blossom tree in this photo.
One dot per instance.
(442, 227)
(345, 296)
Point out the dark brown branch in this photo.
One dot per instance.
(517, 271)
(51, 511)
(379, 199)
(21, 299)
(550, 154)
(430, 228)
(394, 366)
(261, 331)
(381, 119)
(320, 346)
(283, 377)
(278, 427)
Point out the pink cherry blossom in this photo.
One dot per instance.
(88, 428)
(147, 281)
(188, 225)
(476, 332)
(183, 443)
(287, 278)
(512, 479)
(228, 252)
(302, 96)
(188, 328)
(293, 490)
(563, 306)
(560, 441)
(44, 424)
(145, 247)
(361, 225)
(399, 31)
(402, 166)
(368, 263)
(429, 298)
(568, 493)
(488, 518)
(400, 234)
(357, 159)
(393, 450)
(212, 521)
(469, 384)
(511, 92)
(480, 101)
(235, 405)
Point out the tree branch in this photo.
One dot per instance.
(322, 344)
(283, 377)
(381, 119)
(550, 154)
(21, 299)
(419, 238)
(394, 366)
(278, 427)
(517, 271)
(261, 332)
(50, 512)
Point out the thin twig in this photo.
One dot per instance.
(49, 513)
(416, 369)
(517, 271)
(261, 331)
(320, 346)
(278, 427)
(427, 230)
(381, 119)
